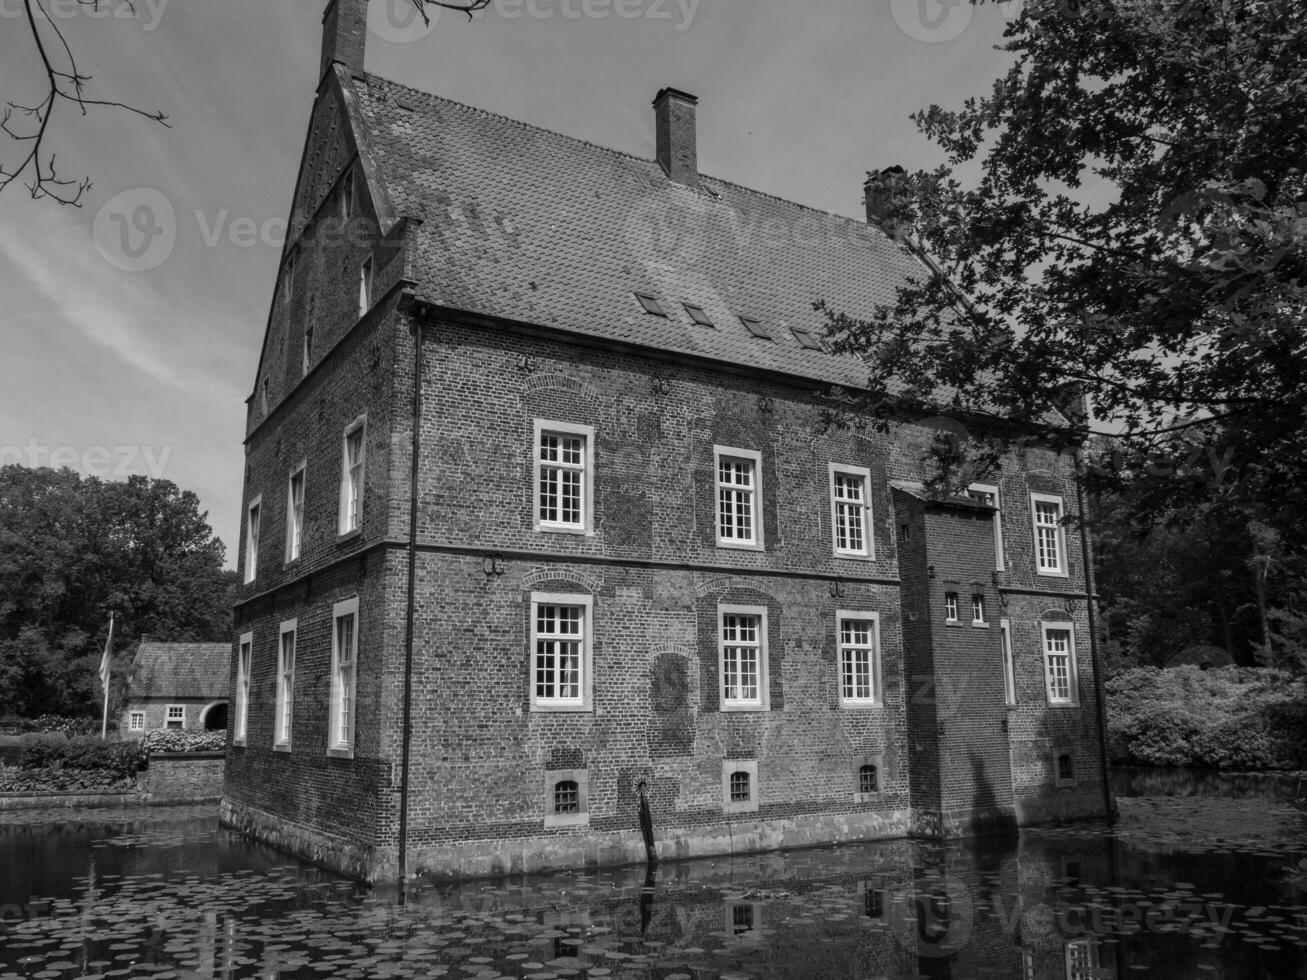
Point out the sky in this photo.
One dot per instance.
(117, 360)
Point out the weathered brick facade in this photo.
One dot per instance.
(644, 563)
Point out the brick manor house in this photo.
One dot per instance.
(547, 558)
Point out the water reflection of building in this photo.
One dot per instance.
(542, 525)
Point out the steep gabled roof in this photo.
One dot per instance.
(527, 225)
(180, 670)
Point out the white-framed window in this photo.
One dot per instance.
(567, 798)
(1060, 663)
(560, 652)
(344, 675)
(285, 708)
(987, 494)
(977, 609)
(253, 516)
(244, 657)
(564, 476)
(1050, 536)
(175, 716)
(859, 657)
(739, 785)
(739, 497)
(306, 356)
(1009, 666)
(136, 721)
(850, 504)
(950, 607)
(365, 287)
(353, 451)
(295, 513)
(742, 658)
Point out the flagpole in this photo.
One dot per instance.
(104, 679)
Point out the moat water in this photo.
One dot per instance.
(1203, 876)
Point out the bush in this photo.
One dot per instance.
(84, 754)
(1244, 718)
(61, 780)
(176, 740)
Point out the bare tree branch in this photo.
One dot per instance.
(64, 83)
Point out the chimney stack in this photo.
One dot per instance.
(344, 36)
(678, 151)
(880, 191)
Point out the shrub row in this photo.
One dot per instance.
(50, 725)
(61, 780)
(85, 754)
(1236, 718)
(176, 740)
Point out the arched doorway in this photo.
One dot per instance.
(214, 717)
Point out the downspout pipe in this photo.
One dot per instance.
(406, 733)
(1109, 805)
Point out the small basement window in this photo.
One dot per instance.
(868, 779)
(651, 304)
(740, 787)
(806, 339)
(1066, 768)
(567, 797)
(755, 327)
(698, 315)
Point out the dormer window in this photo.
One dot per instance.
(698, 315)
(651, 305)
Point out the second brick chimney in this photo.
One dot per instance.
(344, 36)
(678, 150)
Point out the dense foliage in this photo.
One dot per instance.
(1232, 718)
(177, 740)
(72, 549)
(1132, 226)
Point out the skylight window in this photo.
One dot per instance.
(806, 338)
(650, 304)
(698, 315)
(755, 327)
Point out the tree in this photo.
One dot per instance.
(74, 549)
(1138, 231)
(63, 85)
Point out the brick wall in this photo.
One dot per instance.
(184, 776)
(156, 713)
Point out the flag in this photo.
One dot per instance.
(104, 661)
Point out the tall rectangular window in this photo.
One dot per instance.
(1009, 667)
(742, 657)
(1050, 537)
(739, 497)
(252, 520)
(365, 288)
(244, 655)
(988, 495)
(344, 673)
(306, 357)
(1060, 664)
(858, 658)
(560, 652)
(851, 511)
(285, 708)
(563, 476)
(950, 607)
(977, 610)
(295, 514)
(351, 477)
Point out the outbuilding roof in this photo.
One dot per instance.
(180, 670)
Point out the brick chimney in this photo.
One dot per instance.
(879, 191)
(678, 150)
(344, 35)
